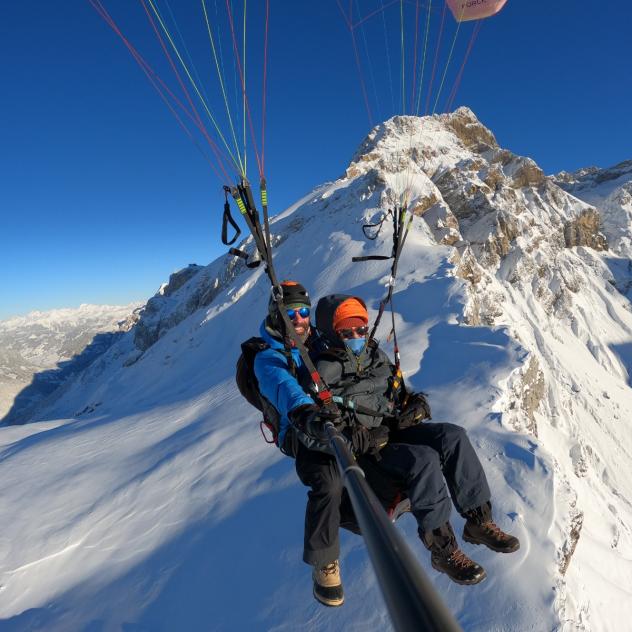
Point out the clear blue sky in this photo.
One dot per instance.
(102, 195)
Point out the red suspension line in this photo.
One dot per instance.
(359, 65)
(344, 15)
(161, 88)
(200, 124)
(172, 64)
(412, 96)
(436, 59)
(243, 87)
(457, 81)
(375, 12)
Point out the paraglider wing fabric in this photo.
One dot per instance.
(464, 10)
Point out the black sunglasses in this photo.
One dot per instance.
(303, 312)
(348, 333)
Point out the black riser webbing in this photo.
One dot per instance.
(243, 193)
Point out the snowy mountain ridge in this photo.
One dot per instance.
(158, 494)
(43, 341)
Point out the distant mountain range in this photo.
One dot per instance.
(39, 351)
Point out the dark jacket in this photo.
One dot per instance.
(363, 380)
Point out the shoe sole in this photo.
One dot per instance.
(463, 582)
(330, 603)
(489, 546)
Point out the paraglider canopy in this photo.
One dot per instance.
(464, 10)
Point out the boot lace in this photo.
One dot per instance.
(493, 529)
(330, 569)
(459, 559)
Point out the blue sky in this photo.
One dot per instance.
(102, 195)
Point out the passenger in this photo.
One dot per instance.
(432, 462)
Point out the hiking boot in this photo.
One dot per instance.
(328, 585)
(458, 567)
(446, 557)
(491, 535)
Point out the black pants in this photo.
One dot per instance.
(319, 471)
(416, 461)
(433, 462)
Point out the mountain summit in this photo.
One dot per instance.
(145, 498)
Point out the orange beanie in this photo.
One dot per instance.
(350, 313)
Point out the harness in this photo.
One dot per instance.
(353, 373)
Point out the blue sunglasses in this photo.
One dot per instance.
(303, 312)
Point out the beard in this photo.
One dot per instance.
(302, 332)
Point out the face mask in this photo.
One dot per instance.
(356, 345)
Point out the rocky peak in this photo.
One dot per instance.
(506, 218)
(609, 193)
(593, 176)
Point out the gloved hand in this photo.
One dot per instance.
(311, 419)
(415, 408)
(368, 440)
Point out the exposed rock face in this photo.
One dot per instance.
(443, 224)
(609, 192)
(179, 278)
(470, 131)
(570, 545)
(467, 267)
(589, 177)
(584, 231)
(528, 391)
(166, 310)
(527, 174)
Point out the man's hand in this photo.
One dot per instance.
(415, 409)
(311, 419)
(368, 440)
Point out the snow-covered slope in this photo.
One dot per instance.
(52, 345)
(160, 507)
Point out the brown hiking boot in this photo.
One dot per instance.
(446, 557)
(458, 567)
(328, 585)
(491, 535)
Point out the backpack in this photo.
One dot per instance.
(248, 386)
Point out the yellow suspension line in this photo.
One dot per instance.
(221, 82)
(186, 70)
(445, 71)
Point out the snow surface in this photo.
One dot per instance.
(160, 507)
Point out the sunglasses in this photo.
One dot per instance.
(348, 333)
(303, 312)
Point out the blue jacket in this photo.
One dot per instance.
(276, 383)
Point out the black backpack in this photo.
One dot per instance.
(249, 387)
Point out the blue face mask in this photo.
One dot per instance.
(356, 345)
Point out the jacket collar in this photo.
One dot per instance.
(271, 336)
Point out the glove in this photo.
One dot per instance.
(311, 419)
(415, 409)
(369, 440)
